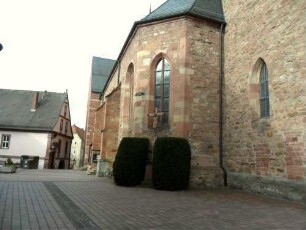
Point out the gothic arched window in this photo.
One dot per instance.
(162, 89)
(264, 91)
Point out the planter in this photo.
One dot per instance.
(7, 169)
(104, 168)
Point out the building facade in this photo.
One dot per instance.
(35, 128)
(232, 85)
(77, 147)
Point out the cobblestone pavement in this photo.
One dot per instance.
(68, 199)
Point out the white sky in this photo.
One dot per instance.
(49, 44)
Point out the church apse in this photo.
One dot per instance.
(191, 94)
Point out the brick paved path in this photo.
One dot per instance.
(59, 199)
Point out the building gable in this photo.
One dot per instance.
(63, 124)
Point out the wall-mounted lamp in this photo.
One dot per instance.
(54, 145)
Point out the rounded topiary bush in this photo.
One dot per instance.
(171, 163)
(130, 161)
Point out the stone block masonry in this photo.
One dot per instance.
(92, 106)
(268, 152)
(192, 48)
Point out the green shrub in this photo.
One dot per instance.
(171, 163)
(9, 162)
(130, 161)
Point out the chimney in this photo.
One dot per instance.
(34, 101)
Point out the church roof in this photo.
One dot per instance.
(208, 9)
(100, 71)
(15, 107)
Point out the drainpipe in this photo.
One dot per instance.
(221, 103)
(119, 70)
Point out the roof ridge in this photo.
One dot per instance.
(207, 9)
(103, 58)
(29, 91)
(194, 2)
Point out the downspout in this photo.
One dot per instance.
(119, 69)
(221, 103)
(69, 150)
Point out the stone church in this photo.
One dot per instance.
(229, 76)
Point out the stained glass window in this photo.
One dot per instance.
(264, 92)
(162, 89)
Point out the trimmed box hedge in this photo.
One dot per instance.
(171, 163)
(130, 162)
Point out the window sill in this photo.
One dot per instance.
(262, 123)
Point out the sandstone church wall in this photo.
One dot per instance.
(93, 104)
(99, 126)
(148, 44)
(203, 65)
(261, 153)
(265, 154)
(110, 126)
(192, 47)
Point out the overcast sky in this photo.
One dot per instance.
(49, 44)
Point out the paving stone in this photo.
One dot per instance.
(39, 199)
